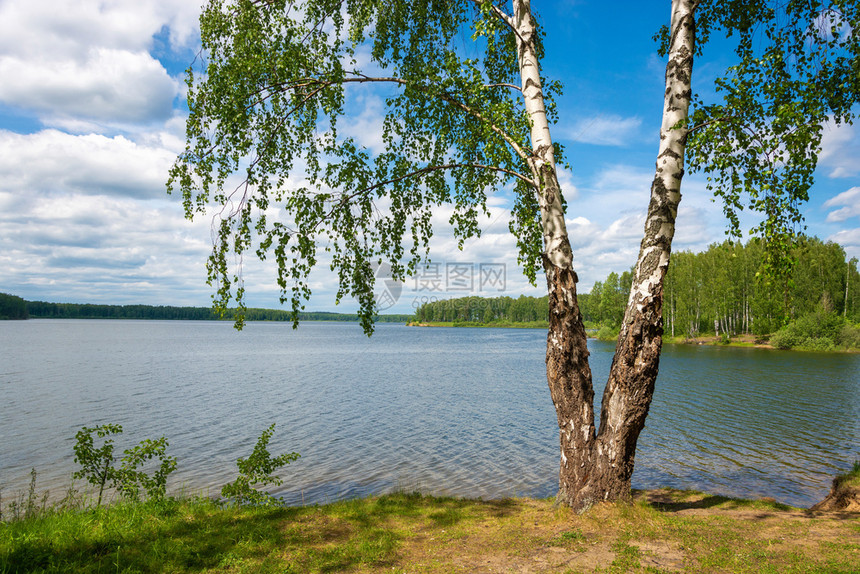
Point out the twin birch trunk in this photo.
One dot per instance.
(597, 465)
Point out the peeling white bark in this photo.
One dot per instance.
(630, 387)
(556, 243)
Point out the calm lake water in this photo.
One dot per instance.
(462, 412)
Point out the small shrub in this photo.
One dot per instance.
(817, 344)
(97, 464)
(607, 333)
(131, 480)
(256, 470)
(784, 339)
(849, 336)
(818, 331)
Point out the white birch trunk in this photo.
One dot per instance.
(633, 374)
(594, 466)
(556, 244)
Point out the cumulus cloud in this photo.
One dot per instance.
(849, 239)
(366, 126)
(845, 206)
(101, 249)
(51, 161)
(840, 148)
(849, 202)
(112, 85)
(607, 130)
(567, 185)
(42, 28)
(90, 60)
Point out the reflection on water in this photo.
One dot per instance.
(449, 411)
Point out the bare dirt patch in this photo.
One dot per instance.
(844, 497)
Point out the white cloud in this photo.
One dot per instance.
(55, 162)
(840, 150)
(366, 126)
(67, 28)
(849, 239)
(850, 202)
(608, 130)
(567, 185)
(89, 59)
(844, 206)
(101, 249)
(624, 179)
(108, 85)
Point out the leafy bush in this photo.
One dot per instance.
(849, 336)
(607, 333)
(97, 464)
(257, 470)
(131, 480)
(818, 331)
(817, 344)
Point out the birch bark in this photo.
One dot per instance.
(568, 371)
(630, 387)
(597, 466)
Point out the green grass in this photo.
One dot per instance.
(684, 531)
(852, 477)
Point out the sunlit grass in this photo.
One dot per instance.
(662, 531)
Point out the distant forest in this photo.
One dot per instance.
(722, 290)
(12, 307)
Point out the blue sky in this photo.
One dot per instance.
(91, 117)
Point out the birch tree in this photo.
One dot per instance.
(270, 100)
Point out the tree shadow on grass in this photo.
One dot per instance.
(670, 500)
(198, 536)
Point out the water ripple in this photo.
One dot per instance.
(448, 411)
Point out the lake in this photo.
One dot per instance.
(463, 412)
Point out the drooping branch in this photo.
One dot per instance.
(448, 166)
(274, 80)
(320, 84)
(422, 171)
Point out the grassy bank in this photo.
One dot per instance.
(737, 341)
(663, 531)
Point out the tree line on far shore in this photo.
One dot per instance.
(726, 290)
(12, 307)
(723, 291)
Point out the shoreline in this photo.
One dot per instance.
(739, 342)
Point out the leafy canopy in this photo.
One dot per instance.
(269, 140)
(797, 70)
